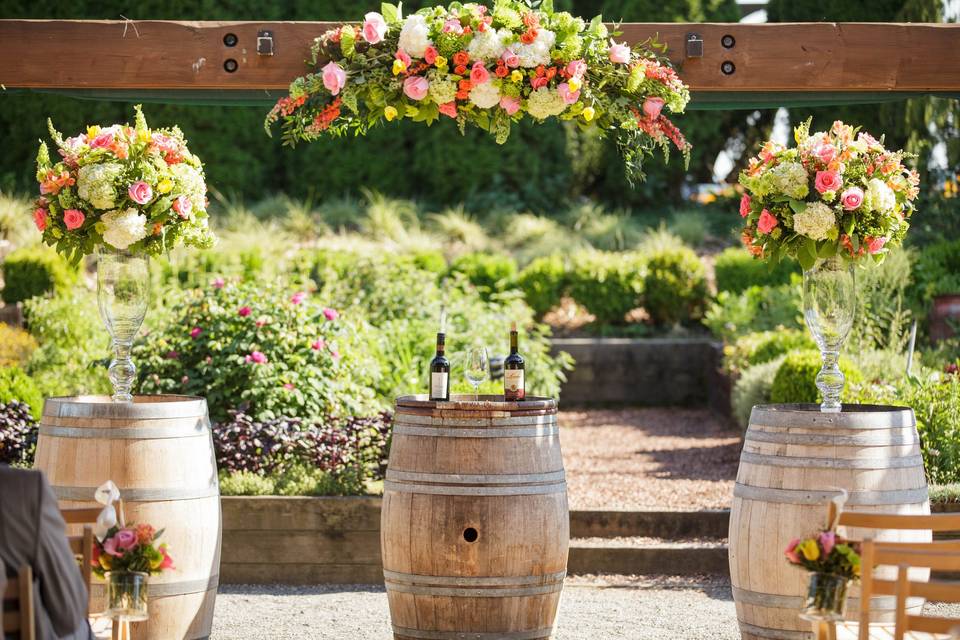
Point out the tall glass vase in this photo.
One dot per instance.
(123, 291)
(829, 306)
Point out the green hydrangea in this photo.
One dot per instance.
(442, 90)
(788, 178)
(448, 44)
(95, 184)
(571, 48)
(545, 102)
(508, 17)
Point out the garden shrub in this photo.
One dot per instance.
(795, 381)
(883, 318)
(937, 271)
(755, 309)
(544, 282)
(753, 388)
(16, 346)
(736, 270)
(609, 285)
(35, 271)
(689, 226)
(18, 433)
(428, 260)
(675, 286)
(489, 273)
(297, 480)
(763, 346)
(16, 385)
(331, 265)
(197, 268)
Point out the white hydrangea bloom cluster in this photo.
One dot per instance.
(789, 178)
(817, 221)
(122, 228)
(537, 52)
(880, 197)
(487, 45)
(545, 102)
(191, 182)
(485, 95)
(415, 35)
(95, 184)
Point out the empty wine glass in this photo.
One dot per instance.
(476, 368)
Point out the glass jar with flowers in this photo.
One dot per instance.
(125, 558)
(833, 563)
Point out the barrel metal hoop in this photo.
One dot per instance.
(159, 407)
(424, 634)
(533, 432)
(202, 428)
(414, 420)
(413, 579)
(806, 496)
(164, 589)
(774, 634)
(882, 439)
(85, 494)
(475, 592)
(893, 462)
(481, 479)
(454, 490)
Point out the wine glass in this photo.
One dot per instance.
(475, 368)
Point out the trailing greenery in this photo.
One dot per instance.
(736, 270)
(35, 271)
(795, 380)
(17, 386)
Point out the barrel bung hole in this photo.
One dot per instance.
(470, 534)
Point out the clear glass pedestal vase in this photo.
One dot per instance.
(829, 307)
(127, 593)
(826, 598)
(123, 292)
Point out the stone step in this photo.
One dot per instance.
(648, 556)
(669, 525)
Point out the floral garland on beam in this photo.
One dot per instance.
(489, 69)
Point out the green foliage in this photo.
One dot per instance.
(432, 261)
(689, 226)
(753, 388)
(35, 271)
(608, 285)
(755, 309)
(15, 384)
(795, 380)
(490, 273)
(882, 319)
(544, 282)
(16, 346)
(945, 493)
(937, 271)
(298, 480)
(764, 346)
(736, 270)
(674, 286)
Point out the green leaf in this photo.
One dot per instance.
(389, 12)
(546, 6)
(827, 250)
(798, 206)
(855, 239)
(806, 260)
(848, 225)
(810, 248)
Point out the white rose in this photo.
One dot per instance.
(880, 196)
(124, 227)
(415, 36)
(485, 95)
(816, 221)
(95, 184)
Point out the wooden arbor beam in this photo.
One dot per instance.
(801, 57)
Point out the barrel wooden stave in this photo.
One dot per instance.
(163, 462)
(788, 472)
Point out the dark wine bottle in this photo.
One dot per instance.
(440, 372)
(513, 383)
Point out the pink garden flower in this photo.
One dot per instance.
(852, 198)
(140, 192)
(73, 219)
(744, 206)
(510, 105)
(196, 332)
(791, 551)
(289, 387)
(652, 107)
(40, 218)
(430, 54)
(569, 97)
(298, 297)
(479, 74)
(827, 181)
(453, 26)
(511, 58)
(218, 283)
(334, 78)
(334, 354)
(767, 222)
(619, 53)
(828, 540)
(330, 314)
(119, 543)
(374, 27)
(182, 206)
(874, 245)
(318, 344)
(244, 311)
(416, 87)
(256, 357)
(449, 109)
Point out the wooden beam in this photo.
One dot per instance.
(801, 57)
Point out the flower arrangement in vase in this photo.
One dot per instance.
(489, 68)
(833, 562)
(126, 557)
(835, 199)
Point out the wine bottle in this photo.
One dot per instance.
(513, 383)
(440, 372)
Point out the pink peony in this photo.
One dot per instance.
(416, 87)
(576, 68)
(619, 53)
(140, 192)
(827, 181)
(374, 27)
(511, 58)
(479, 74)
(652, 107)
(874, 245)
(298, 297)
(453, 26)
(40, 218)
(73, 219)
(430, 54)
(182, 206)
(195, 332)
(334, 77)
(767, 222)
(569, 97)
(330, 314)
(449, 109)
(744, 206)
(510, 105)
(852, 198)
(318, 344)
(828, 540)
(244, 312)
(218, 283)
(256, 357)
(791, 551)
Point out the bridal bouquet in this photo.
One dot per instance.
(838, 192)
(487, 68)
(131, 188)
(130, 548)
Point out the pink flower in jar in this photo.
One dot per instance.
(828, 540)
(126, 539)
(791, 551)
(140, 192)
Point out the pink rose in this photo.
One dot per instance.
(403, 57)
(416, 87)
(334, 77)
(767, 222)
(110, 547)
(539, 83)
(218, 283)
(652, 106)
(479, 74)
(374, 27)
(874, 245)
(510, 105)
(256, 357)
(828, 540)
(140, 192)
(825, 152)
(126, 539)
(744, 206)
(619, 53)
(852, 198)
(195, 332)
(511, 58)
(430, 54)
(453, 26)
(73, 218)
(318, 344)
(167, 560)
(243, 312)
(791, 551)
(576, 68)
(569, 97)
(827, 181)
(330, 314)
(449, 109)
(182, 206)
(40, 218)
(298, 297)
(102, 141)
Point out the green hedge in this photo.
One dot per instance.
(795, 380)
(17, 385)
(490, 273)
(608, 285)
(544, 282)
(736, 270)
(675, 286)
(35, 271)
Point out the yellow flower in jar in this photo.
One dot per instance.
(810, 549)
(105, 562)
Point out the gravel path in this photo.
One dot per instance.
(675, 459)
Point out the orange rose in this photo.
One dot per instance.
(461, 58)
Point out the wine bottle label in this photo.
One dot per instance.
(513, 383)
(438, 384)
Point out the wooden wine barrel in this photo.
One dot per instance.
(794, 460)
(475, 524)
(159, 452)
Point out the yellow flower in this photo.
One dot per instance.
(398, 67)
(440, 62)
(143, 135)
(165, 185)
(810, 549)
(516, 76)
(105, 561)
(574, 84)
(92, 131)
(588, 113)
(390, 113)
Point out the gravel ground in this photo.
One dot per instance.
(672, 459)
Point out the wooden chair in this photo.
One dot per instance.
(18, 605)
(937, 590)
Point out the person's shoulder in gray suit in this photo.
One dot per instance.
(32, 532)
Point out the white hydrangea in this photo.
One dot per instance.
(537, 52)
(879, 196)
(190, 182)
(415, 35)
(487, 45)
(817, 221)
(96, 184)
(485, 95)
(789, 178)
(123, 227)
(545, 102)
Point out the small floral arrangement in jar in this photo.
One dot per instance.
(126, 557)
(833, 562)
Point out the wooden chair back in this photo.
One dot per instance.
(936, 590)
(18, 605)
(82, 545)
